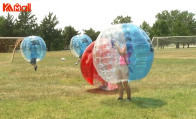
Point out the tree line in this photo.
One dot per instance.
(26, 25)
(173, 23)
(168, 23)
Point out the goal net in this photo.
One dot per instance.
(161, 42)
(10, 44)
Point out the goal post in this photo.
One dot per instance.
(161, 42)
(10, 44)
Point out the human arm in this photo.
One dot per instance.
(122, 51)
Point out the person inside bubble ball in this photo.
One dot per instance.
(122, 71)
(80, 53)
(81, 46)
(78, 59)
(33, 48)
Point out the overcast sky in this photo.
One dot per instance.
(98, 14)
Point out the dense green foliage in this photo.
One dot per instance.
(175, 23)
(49, 33)
(92, 34)
(7, 25)
(26, 24)
(121, 19)
(146, 27)
(68, 33)
(168, 23)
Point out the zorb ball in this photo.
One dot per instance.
(79, 43)
(139, 54)
(33, 47)
(90, 73)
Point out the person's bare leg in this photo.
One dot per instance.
(77, 62)
(127, 88)
(120, 89)
(34, 63)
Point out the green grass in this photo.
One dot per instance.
(58, 90)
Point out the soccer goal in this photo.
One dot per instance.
(162, 42)
(10, 44)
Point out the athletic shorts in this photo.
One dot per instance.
(123, 71)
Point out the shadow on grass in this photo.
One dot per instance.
(141, 102)
(104, 92)
(107, 92)
(148, 102)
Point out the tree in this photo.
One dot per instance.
(2, 24)
(57, 43)
(7, 26)
(178, 23)
(121, 19)
(92, 33)
(48, 31)
(161, 28)
(26, 24)
(147, 28)
(68, 33)
(174, 23)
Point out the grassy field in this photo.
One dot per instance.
(58, 90)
